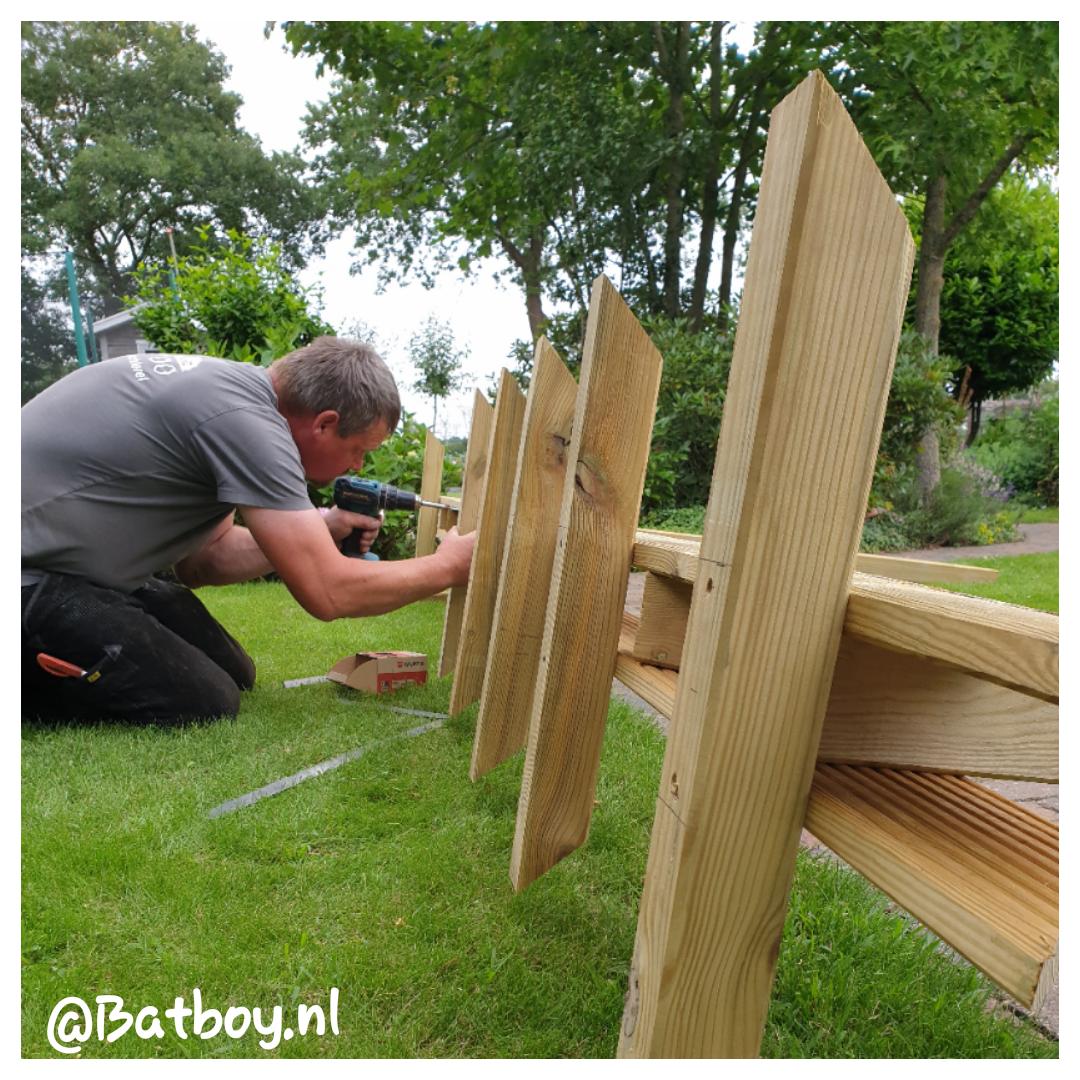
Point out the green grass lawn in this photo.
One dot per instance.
(1042, 514)
(388, 879)
(1031, 580)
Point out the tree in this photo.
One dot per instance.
(47, 345)
(999, 300)
(948, 108)
(437, 361)
(565, 147)
(234, 299)
(126, 129)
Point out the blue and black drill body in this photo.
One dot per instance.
(369, 497)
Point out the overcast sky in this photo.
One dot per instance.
(485, 317)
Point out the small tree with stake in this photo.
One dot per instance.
(438, 362)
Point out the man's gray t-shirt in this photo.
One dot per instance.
(129, 464)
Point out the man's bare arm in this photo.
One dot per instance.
(229, 555)
(329, 585)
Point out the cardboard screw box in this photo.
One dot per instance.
(379, 672)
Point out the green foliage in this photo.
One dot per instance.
(126, 128)
(48, 347)
(918, 401)
(1023, 449)
(688, 412)
(999, 304)
(437, 361)
(683, 519)
(449, 142)
(966, 508)
(235, 299)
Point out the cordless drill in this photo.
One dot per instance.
(372, 498)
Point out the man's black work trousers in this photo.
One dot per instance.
(154, 656)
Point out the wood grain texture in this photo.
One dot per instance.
(1007, 644)
(906, 712)
(472, 489)
(509, 683)
(676, 555)
(479, 610)
(1016, 647)
(980, 871)
(609, 448)
(665, 608)
(922, 570)
(901, 711)
(656, 685)
(430, 490)
(827, 278)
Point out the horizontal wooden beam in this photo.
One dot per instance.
(1012, 646)
(675, 554)
(901, 711)
(665, 606)
(896, 709)
(977, 869)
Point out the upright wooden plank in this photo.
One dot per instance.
(479, 610)
(609, 448)
(828, 274)
(502, 724)
(472, 489)
(430, 490)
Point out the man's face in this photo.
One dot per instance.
(326, 455)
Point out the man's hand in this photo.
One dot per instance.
(342, 522)
(456, 551)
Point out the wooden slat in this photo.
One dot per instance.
(430, 488)
(923, 570)
(490, 536)
(609, 447)
(502, 724)
(665, 606)
(1013, 646)
(827, 278)
(978, 870)
(472, 489)
(676, 554)
(1007, 644)
(895, 709)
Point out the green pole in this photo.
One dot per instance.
(76, 318)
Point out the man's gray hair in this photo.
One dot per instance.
(336, 373)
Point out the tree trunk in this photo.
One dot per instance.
(529, 263)
(673, 67)
(711, 195)
(928, 321)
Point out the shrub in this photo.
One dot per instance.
(1023, 450)
(686, 519)
(688, 412)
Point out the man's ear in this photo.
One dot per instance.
(326, 422)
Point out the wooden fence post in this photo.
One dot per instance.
(609, 449)
(502, 724)
(472, 489)
(430, 491)
(827, 279)
(487, 555)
